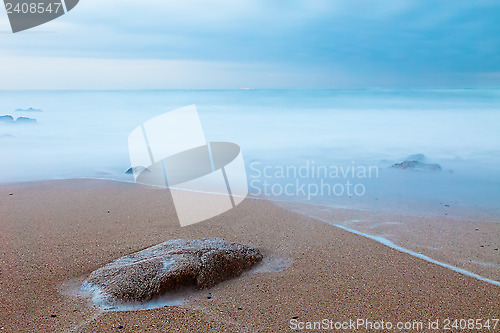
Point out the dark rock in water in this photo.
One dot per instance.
(28, 110)
(7, 119)
(416, 165)
(152, 272)
(25, 120)
(137, 170)
(20, 120)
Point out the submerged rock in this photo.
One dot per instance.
(152, 272)
(7, 119)
(28, 110)
(20, 120)
(25, 120)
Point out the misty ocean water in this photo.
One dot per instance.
(84, 134)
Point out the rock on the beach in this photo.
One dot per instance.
(137, 170)
(417, 162)
(152, 272)
(415, 165)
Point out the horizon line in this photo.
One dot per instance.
(249, 89)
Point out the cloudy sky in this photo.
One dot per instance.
(165, 44)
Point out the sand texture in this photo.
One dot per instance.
(54, 234)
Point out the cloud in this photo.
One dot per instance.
(363, 42)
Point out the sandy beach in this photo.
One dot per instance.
(55, 233)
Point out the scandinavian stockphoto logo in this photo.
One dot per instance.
(26, 14)
(205, 179)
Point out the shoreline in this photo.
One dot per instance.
(462, 245)
(55, 232)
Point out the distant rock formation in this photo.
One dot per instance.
(6, 119)
(416, 162)
(28, 110)
(25, 120)
(150, 273)
(6, 136)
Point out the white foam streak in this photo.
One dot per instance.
(390, 244)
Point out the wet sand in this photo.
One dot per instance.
(55, 233)
(466, 244)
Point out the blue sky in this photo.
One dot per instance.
(163, 44)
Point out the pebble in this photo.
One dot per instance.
(11, 193)
(295, 317)
(120, 327)
(447, 205)
(53, 315)
(209, 297)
